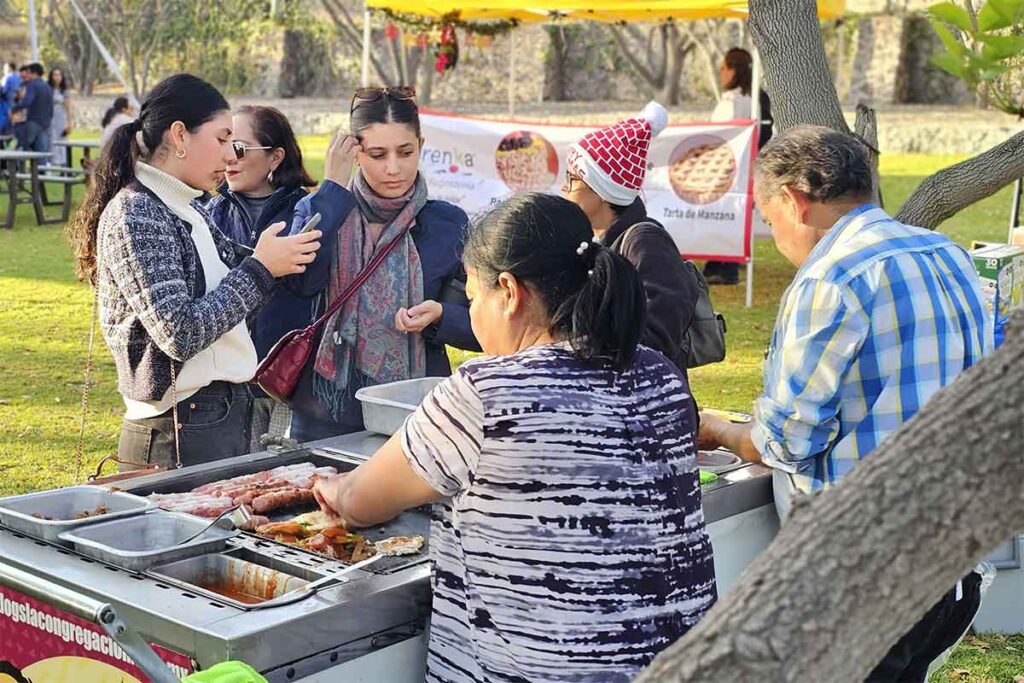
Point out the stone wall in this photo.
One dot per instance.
(902, 129)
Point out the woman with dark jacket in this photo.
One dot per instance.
(398, 324)
(173, 291)
(611, 200)
(263, 183)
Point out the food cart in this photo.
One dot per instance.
(106, 592)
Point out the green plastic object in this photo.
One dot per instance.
(707, 478)
(227, 672)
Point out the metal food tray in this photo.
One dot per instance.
(138, 543)
(719, 461)
(386, 406)
(242, 570)
(61, 505)
(409, 523)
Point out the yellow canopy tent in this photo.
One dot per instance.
(608, 11)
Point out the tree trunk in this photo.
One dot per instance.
(943, 194)
(865, 126)
(556, 76)
(788, 36)
(855, 567)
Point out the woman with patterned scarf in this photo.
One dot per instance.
(396, 327)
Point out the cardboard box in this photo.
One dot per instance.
(1001, 271)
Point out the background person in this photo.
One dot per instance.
(34, 108)
(173, 291)
(61, 123)
(398, 324)
(118, 115)
(568, 539)
(8, 92)
(264, 181)
(735, 75)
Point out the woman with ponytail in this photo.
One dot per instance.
(568, 539)
(173, 292)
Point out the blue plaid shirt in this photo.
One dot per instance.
(880, 317)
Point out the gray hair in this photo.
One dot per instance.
(822, 163)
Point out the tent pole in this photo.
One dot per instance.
(755, 113)
(512, 72)
(365, 78)
(33, 32)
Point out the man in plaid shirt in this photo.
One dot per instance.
(879, 317)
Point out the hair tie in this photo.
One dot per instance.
(135, 126)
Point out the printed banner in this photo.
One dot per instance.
(41, 644)
(698, 181)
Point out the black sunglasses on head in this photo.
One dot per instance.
(398, 92)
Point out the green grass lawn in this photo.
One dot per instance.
(44, 327)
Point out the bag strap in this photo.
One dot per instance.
(360, 280)
(86, 380)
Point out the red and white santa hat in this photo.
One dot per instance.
(613, 160)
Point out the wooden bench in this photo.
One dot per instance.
(64, 176)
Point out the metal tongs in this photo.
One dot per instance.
(239, 516)
(314, 587)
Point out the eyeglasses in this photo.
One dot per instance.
(240, 148)
(569, 180)
(398, 92)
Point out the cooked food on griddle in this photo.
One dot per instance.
(399, 545)
(263, 492)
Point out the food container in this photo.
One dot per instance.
(138, 543)
(243, 581)
(718, 461)
(58, 509)
(386, 406)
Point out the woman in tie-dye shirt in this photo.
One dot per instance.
(568, 538)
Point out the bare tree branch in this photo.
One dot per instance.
(624, 47)
(346, 24)
(855, 567)
(945, 193)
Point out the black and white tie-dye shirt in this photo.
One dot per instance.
(571, 544)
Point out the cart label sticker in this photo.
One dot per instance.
(42, 644)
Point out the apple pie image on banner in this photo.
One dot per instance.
(702, 169)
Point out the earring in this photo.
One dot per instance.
(270, 176)
(180, 153)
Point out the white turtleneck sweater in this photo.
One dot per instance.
(232, 358)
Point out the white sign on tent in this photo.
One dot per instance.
(698, 182)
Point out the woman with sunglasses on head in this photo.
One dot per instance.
(173, 291)
(263, 183)
(397, 324)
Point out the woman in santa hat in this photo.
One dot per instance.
(605, 171)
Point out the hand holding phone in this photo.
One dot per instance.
(313, 221)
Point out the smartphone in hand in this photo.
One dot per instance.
(313, 221)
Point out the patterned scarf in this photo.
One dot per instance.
(360, 341)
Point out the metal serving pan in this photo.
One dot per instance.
(386, 406)
(719, 461)
(57, 509)
(226, 577)
(138, 543)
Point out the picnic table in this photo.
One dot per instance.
(11, 162)
(87, 146)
